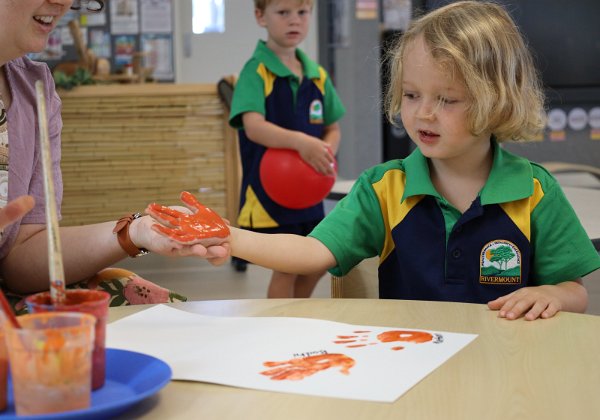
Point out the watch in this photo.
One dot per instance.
(122, 231)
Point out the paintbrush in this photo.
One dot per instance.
(55, 262)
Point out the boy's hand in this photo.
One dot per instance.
(317, 154)
(531, 302)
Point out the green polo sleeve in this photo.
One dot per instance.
(562, 249)
(354, 229)
(248, 95)
(333, 106)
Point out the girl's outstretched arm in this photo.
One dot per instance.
(281, 252)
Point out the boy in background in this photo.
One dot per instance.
(284, 100)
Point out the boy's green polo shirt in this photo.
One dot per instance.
(308, 105)
(253, 79)
(520, 231)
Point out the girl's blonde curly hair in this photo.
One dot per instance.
(481, 43)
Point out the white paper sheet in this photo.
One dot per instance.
(304, 352)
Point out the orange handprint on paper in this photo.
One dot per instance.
(299, 368)
(361, 338)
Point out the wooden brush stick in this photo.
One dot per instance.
(55, 262)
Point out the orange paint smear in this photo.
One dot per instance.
(300, 368)
(202, 224)
(402, 335)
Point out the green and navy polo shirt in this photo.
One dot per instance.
(268, 87)
(520, 231)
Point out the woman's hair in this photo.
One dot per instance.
(482, 45)
(262, 4)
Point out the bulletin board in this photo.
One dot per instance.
(121, 29)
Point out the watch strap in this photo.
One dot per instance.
(121, 229)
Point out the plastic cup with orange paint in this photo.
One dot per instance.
(51, 362)
(93, 302)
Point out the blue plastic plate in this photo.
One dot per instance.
(130, 378)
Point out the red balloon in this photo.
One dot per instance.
(291, 182)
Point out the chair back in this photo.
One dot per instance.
(361, 282)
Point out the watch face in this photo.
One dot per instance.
(142, 252)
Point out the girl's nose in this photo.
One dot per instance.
(426, 109)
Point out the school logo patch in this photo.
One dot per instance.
(500, 263)
(316, 112)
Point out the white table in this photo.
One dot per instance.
(546, 369)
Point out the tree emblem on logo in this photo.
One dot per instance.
(501, 255)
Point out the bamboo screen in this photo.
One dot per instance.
(124, 146)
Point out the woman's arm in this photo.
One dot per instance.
(86, 250)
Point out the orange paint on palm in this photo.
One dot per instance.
(186, 228)
(300, 368)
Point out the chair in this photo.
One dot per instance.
(233, 164)
(566, 167)
(361, 282)
(225, 88)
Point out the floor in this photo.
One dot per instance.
(198, 280)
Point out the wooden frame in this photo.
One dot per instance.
(125, 146)
(361, 282)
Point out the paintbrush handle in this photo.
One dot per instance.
(7, 311)
(57, 273)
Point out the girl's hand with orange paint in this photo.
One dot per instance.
(541, 301)
(195, 230)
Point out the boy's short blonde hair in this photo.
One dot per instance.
(262, 4)
(482, 44)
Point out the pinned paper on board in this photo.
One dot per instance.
(285, 354)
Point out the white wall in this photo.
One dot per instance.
(212, 56)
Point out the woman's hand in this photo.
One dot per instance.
(15, 209)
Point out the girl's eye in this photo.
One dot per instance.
(408, 95)
(447, 101)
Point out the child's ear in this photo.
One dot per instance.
(260, 17)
